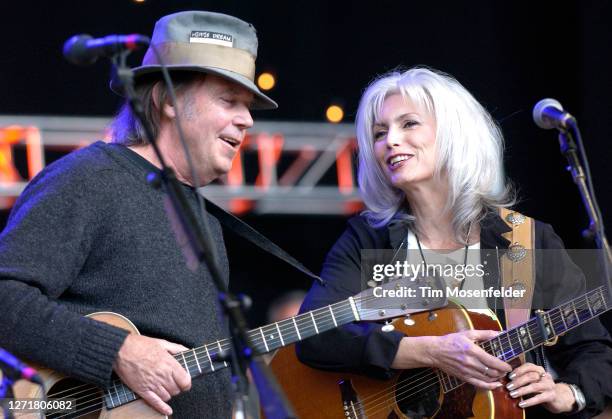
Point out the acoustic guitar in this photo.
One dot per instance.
(427, 392)
(119, 402)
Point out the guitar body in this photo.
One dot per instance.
(89, 398)
(415, 393)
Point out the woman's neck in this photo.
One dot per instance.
(434, 224)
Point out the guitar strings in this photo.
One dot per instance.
(403, 396)
(558, 315)
(225, 344)
(91, 406)
(535, 332)
(192, 353)
(587, 304)
(340, 314)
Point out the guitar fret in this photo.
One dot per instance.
(562, 318)
(110, 398)
(445, 381)
(221, 350)
(530, 337)
(510, 345)
(569, 315)
(496, 350)
(575, 312)
(332, 315)
(596, 303)
(557, 326)
(520, 335)
(487, 347)
(195, 355)
(185, 363)
(125, 394)
(603, 299)
(212, 366)
(280, 335)
(264, 339)
(117, 391)
(354, 309)
(589, 306)
(314, 323)
(550, 327)
(297, 330)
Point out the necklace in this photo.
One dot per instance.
(465, 256)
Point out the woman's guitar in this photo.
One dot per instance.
(118, 401)
(425, 392)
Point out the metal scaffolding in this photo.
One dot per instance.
(282, 167)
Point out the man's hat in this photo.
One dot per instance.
(205, 42)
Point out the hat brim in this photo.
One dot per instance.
(260, 101)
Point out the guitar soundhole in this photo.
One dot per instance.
(87, 398)
(416, 392)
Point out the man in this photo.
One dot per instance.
(90, 234)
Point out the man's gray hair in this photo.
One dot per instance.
(469, 147)
(125, 128)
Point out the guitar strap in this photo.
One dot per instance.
(235, 224)
(518, 267)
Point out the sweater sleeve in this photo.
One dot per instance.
(356, 347)
(42, 249)
(583, 356)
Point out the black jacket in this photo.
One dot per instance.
(583, 356)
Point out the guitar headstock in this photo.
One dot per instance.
(401, 296)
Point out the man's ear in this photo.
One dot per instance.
(166, 109)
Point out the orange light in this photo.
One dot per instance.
(334, 114)
(266, 81)
(139, 1)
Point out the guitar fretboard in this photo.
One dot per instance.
(206, 359)
(527, 336)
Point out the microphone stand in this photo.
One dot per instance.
(568, 149)
(6, 393)
(275, 404)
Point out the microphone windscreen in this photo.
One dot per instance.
(538, 109)
(75, 50)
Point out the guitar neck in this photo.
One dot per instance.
(205, 359)
(535, 332)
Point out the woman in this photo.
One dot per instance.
(431, 176)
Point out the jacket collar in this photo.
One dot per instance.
(491, 229)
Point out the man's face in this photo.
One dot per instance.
(214, 116)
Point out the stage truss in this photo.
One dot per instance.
(282, 167)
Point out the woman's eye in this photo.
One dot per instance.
(379, 134)
(410, 124)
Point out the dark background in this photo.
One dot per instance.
(508, 54)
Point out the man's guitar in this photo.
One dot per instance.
(425, 392)
(118, 401)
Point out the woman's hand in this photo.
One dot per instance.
(533, 380)
(456, 354)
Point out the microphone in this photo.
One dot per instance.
(549, 114)
(85, 50)
(15, 369)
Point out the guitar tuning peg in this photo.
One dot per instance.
(388, 327)
(408, 321)
(432, 316)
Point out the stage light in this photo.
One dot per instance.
(266, 81)
(334, 114)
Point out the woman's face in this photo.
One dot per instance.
(404, 142)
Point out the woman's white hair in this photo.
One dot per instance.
(469, 149)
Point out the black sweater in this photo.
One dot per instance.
(90, 234)
(583, 356)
